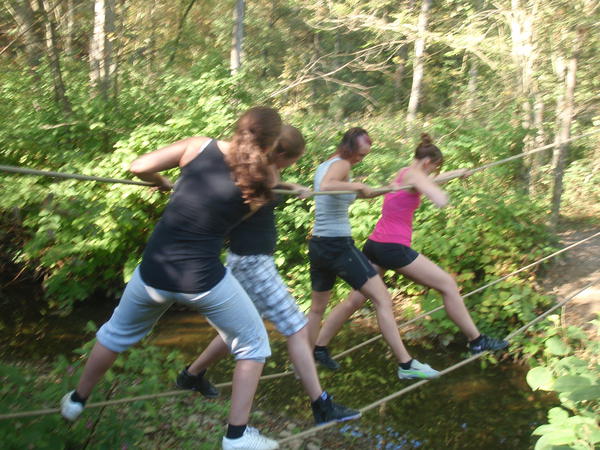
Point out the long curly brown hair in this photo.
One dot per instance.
(256, 131)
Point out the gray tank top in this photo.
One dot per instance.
(331, 216)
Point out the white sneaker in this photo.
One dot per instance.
(69, 409)
(250, 440)
(417, 370)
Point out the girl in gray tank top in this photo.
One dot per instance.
(332, 254)
(331, 215)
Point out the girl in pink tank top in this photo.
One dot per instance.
(395, 224)
(388, 248)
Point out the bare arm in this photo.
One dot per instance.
(450, 175)
(336, 179)
(427, 187)
(177, 154)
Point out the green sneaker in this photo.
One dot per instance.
(417, 370)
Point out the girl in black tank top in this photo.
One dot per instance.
(220, 183)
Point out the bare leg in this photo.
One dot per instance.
(425, 272)
(245, 380)
(338, 316)
(301, 355)
(315, 314)
(216, 350)
(341, 313)
(376, 290)
(100, 360)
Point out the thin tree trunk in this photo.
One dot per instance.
(539, 141)
(401, 66)
(236, 57)
(563, 134)
(101, 47)
(30, 30)
(471, 89)
(180, 32)
(151, 17)
(70, 27)
(418, 64)
(60, 92)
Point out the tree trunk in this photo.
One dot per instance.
(70, 27)
(60, 92)
(30, 30)
(418, 64)
(401, 65)
(471, 88)
(563, 134)
(180, 32)
(238, 37)
(101, 48)
(539, 141)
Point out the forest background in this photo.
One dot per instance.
(86, 86)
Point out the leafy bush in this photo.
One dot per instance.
(171, 421)
(575, 378)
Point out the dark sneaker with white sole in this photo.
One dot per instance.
(323, 357)
(198, 383)
(326, 410)
(483, 343)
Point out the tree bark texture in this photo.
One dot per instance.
(563, 133)
(237, 40)
(418, 64)
(101, 48)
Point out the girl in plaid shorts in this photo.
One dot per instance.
(250, 259)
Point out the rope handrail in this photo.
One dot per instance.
(40, 412)
(381, 190)
(452, 368)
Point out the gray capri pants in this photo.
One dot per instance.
(227, 308)
(259, 277)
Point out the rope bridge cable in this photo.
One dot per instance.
(452, 368)
(382, 190)
(40, 412)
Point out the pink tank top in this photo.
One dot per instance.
(395, 224)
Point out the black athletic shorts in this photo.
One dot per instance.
(388, 255)
(332, 257)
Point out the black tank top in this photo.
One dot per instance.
(183, 252)
(256, 235)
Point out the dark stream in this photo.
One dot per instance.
(471, 408)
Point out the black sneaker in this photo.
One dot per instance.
(197, 383)
(325, 410)
(323, 358)
(483, 343)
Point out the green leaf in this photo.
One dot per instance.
(568, 383)
(540, 378)
(556, 346)
(585, 393)
(557, 437)
(557, 415)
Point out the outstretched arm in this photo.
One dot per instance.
(177, 154)
(336, 179)
(427, 186)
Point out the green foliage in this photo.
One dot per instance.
(567, 367)
(81, 235)
(140, 371)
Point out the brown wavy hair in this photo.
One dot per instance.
(426, 149)
(256, 131)
(291, 142)
(349, 144)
